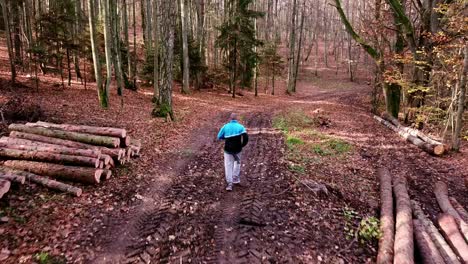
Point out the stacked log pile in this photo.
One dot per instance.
(446, 244)
(413, 136)
(44, 153)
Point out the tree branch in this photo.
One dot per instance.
(349, 28)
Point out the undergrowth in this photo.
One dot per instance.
(304, 143)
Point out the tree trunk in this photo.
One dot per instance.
(427, 249)
(404, 247)
(411, 131)
(441, 193)
(8, 40)
(387, 222)
(460, 209)
(156, 98)
(103, 94)
(71, 173)
(11, 176)
(164, 109)
(185, 52)
(117, 58)
(299, 48)
(112, 142)
(101, 131)
(444, 249)
(292, 47)
(107, 42)
(115, 153)
(49, 157)
(46, 182)
(461, 102)
(448, 225)
(436, 150)
(4, 187)
(23, 144)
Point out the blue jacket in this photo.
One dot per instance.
(235, 137)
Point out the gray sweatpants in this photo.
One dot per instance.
(232, 168)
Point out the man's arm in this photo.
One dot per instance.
(221, 133)
(245, 139)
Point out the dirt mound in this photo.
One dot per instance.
(18, 109)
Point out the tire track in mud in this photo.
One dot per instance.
(199, 222)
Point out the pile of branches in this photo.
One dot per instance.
(414, 136)
(43, 153)
(445, 244)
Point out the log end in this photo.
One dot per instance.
(439, 150)
(4, 187)
(97, 175)
(108, 174)
(78, 192)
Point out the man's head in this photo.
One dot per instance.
(233, 116)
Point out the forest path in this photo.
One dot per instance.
(194, 218)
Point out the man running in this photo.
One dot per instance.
(236, 138)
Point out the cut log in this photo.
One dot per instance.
(46, 182)
(441, 193)
(135, 144)
(8, 175)
(404, 244)
(125, 142)
(101, 131)
(4, 187)
(112, 142)
(48, 157)
(106, 174)
(427, 249)
(106, 160)
(114, 153)
(432, 149)
(23, 144)
(71, 173)
(448, 225)
(128, 154)
(387, 222)
(445, 250)
(460, 209)
(411, 131)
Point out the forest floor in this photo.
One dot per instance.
(308, 179)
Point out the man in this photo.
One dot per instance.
(236, 138)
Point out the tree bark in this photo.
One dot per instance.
(404, 245)
(23, 144)
(11, 176)
(449, 227)
(436, 150)
(71, 173)
(427, 249)
(292, 47)
(461, 102)
(114, 153)
(156, 98)
(46, 182)
(107, 42)
(103, 94)
(112, 142)
(445, 250)
(387, 222)
(411, 131)
(101, 131)
(49, 157)
(441, 193)
(460, 209)
(4, 187)
(8, 40)
(185, 53)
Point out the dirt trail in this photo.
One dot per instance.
(195, 219)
